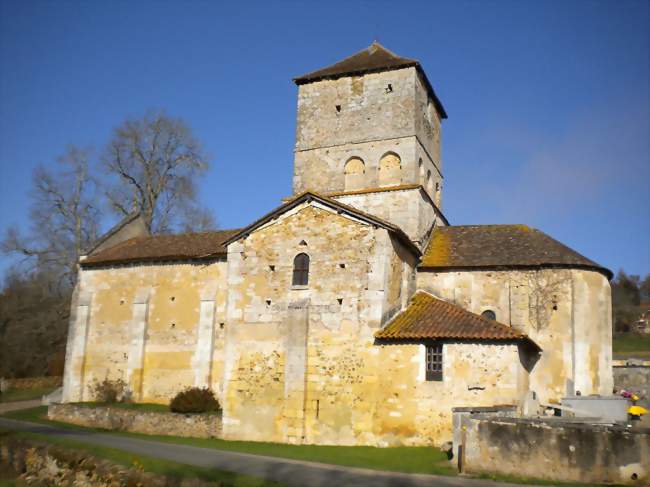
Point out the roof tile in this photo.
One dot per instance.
(427, 317)
(186, 246)
(494, 246)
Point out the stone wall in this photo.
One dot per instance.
(566, 312)
(136, 421)
(39, 463)
(366, 117)
(555, 450)
(302, 365)
(159, 327)
(633, 378)
(410, 209)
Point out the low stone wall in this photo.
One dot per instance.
(150, 423)
(555, 449)
(30, 383)
(633, 375)
(38, 463)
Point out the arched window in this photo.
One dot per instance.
(300, 270)
(390, 170)
(355, 171)
(429, 183)
(489, 314)
(420, 171)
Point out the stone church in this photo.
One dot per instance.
(354, 313)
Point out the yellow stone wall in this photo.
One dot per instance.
(306, 368)
(172, 294)
(566, 312)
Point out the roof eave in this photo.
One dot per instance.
(506, 267)
(149, 260)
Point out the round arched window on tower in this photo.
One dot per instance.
(390, 170)
(489, 314)
(355, 171)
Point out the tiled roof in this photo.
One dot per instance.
(500, 246)
(430, 318)
(186, 246)
(374, 58)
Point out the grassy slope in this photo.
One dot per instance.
(397, 459)
(149, 464)
(14, 395)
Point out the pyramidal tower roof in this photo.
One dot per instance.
(373, 59)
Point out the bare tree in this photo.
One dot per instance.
(155, 161)
(64, 219)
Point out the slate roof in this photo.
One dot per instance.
(500, 247)
(374, 58)
(430, 318)
(186, 246)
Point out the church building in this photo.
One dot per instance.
(354, 313)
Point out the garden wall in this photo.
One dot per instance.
(555, 449)
(147, 422)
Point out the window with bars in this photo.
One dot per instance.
(434, 362)
(300, 270)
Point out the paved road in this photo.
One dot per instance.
(5, 407)
(290, 472)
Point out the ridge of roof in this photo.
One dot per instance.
(112, 231)
(430, 318)
(310, 195)
(372, 59)
(173, 247)
(500, 247)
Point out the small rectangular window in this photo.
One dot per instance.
(434, 362)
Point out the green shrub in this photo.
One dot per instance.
(110, 391)
(195, 400)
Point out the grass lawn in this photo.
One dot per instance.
(426, 460)
(631, 345)
(149, 464)
(14, 395)
(397, 459)
(154, 408)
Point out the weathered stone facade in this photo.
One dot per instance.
(555, 449)
(281, 318)
(566, 312)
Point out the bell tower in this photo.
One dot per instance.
(368, 128)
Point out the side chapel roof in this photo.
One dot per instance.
(430, 318)
(372, 59)
(460, 247)
(185, 246)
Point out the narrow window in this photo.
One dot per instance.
(489, 314)
(300, 270)
(434, 362)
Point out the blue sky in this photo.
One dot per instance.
(548, 102)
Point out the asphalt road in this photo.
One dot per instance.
(290, 472)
